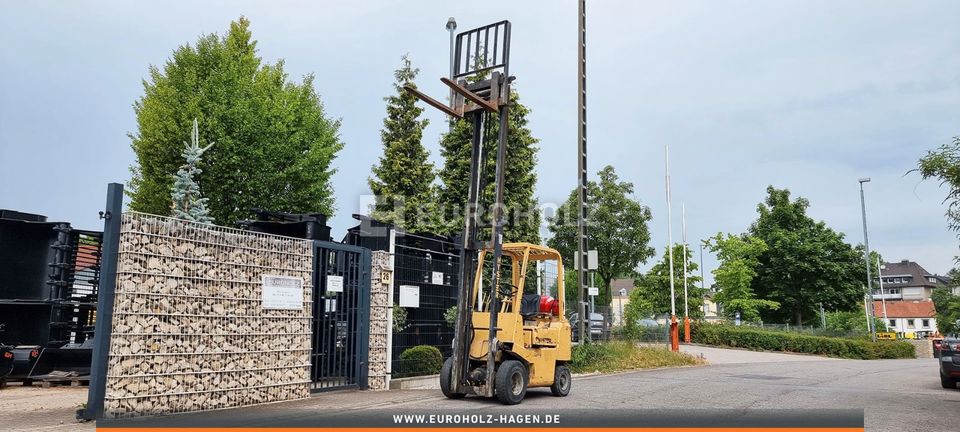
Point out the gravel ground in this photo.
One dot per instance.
(37, 408)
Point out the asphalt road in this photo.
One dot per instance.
(896, 395)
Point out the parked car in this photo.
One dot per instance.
(950, 363)
(596, 325)
(647, 322)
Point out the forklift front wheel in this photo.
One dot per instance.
(446, 372)
(511, 384)
(562, 381)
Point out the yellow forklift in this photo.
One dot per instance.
(531, 344)
(508, 338)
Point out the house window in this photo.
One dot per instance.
(932, 279)
(925, 323)
(910, 323)
(893, 323)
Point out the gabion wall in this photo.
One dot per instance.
(189, 332)
(379, 305)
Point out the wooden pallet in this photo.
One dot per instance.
(52, 380)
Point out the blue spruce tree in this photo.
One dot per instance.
(187, 202)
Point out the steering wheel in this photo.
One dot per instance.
(507, 290)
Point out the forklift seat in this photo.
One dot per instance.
(529, 305)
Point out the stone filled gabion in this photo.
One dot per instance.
(379, 354)
(189, 332)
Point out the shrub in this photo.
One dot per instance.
(769, 340)
(399, 319)
(420, 360)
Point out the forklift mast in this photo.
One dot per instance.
(481, 87)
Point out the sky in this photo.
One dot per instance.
(804, 95)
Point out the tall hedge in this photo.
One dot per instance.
(769, 340)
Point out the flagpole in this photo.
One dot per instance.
(686, 306)
(674, 333)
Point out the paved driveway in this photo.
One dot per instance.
(715, 355)
(896, 395)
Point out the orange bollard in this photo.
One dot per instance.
(686, 329)
(674, 334)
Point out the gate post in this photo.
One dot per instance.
(105, 293)
(363, 310)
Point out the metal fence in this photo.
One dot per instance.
(423, 263)
(434, 270)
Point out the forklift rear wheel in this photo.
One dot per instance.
(511, 385)
(562, 381)
(446, 372)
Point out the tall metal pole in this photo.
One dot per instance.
(866, 259)
(452, 28)
(674, 330)
(582, 243)
(703, 280)
(686, 303)
(883, 298)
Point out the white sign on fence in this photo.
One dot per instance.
(594, 291)
(437, 278)
(409, 296)
(334, 283)
(282, 292)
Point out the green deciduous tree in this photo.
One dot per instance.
(738, 262)
(948, 311)
(617, 229)
(805, 263)
(651, 294)
(944, 164)
(275, 144)
(402, 181)
(187, 201)
(522, 215)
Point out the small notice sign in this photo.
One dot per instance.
(594, 291)
(409, 296)
(334, 283)
(282, 292)
(437, 278)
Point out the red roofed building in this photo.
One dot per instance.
(906, 317)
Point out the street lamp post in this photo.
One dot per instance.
(452, 28)
(883, 297)
(866, 259)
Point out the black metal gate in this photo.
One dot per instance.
(341, 316)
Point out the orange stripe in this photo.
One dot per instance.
(519, 429)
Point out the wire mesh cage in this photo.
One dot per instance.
(191, 331)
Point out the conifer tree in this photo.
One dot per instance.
(521, 215)
(185, 195)
(401, 182)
